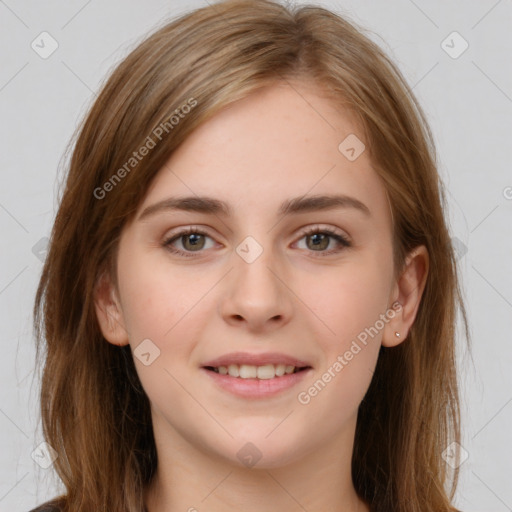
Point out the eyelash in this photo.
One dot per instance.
(342, 240)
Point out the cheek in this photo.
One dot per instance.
(347, 300)
(163, 307)
(349, 306)
(356, 299)
(351, 309)
(157, 299)
(170, 308)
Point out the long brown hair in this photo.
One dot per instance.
(94, 411)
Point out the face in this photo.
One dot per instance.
(198, 283)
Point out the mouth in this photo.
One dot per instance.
(256, 382)
(252, 375)
(263, 372)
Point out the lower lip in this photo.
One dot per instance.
(256, 388)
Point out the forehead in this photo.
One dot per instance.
(280, 142)
(283, 123)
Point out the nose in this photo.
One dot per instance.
(256, 293)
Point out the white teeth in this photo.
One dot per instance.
(280, 368)
(248, 371)
(233, 370)
(265, 372)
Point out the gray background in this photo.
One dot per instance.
(468, 101)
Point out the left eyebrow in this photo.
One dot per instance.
(296, 205)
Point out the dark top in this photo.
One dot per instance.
(46, 508)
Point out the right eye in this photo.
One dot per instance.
(192, 240)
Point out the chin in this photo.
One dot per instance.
(260, 452)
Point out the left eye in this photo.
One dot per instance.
(193, 241)
(321, 238)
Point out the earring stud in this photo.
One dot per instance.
(397, 334)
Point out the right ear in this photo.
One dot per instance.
(109, 311)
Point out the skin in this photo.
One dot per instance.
(281, 142)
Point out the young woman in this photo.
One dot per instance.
(250, 295)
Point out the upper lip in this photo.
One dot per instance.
(256, 359)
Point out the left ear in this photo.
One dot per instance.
(407, 294)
